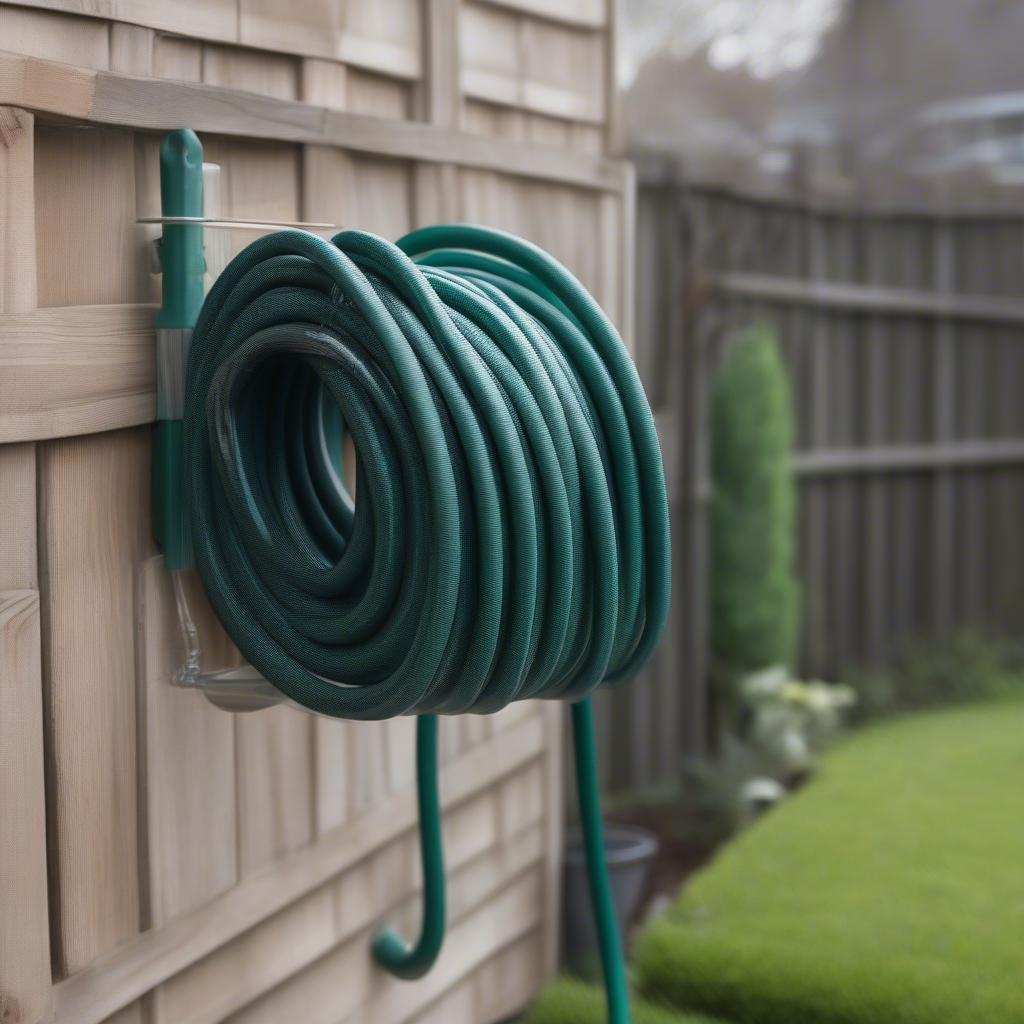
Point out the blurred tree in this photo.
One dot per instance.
(754, 594)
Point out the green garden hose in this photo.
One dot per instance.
(510, 538)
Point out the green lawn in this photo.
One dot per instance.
(567, 1001)
(889, 891)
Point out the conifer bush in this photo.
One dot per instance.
(754, 594)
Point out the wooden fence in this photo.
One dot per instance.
(161, 861)
(903, 334)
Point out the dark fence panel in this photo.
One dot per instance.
(903, 335)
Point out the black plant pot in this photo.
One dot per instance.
(629, 852)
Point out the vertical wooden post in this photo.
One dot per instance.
(695, 335)
(25, 987)
(440, 87)
(943, 428)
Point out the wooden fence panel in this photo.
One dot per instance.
(180, 863)
(903, 338)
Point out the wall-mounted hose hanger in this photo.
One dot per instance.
(510, 537)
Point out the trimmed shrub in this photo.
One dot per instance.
(754, 594)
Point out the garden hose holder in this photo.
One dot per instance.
(511, 537)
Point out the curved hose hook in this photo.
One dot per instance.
(389, 949)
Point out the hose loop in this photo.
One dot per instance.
(510, 539)
(511, 534)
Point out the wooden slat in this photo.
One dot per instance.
(207, 19)
(153, 105)
(94, 526)
(940, 304)
(123, 975)
(441, 79)
(909, 458)
(24, 935)
(587, 13)
(76, 370)
(287, 950)
(17, 211)
(90, 249)
(187, 758)
(25, 987)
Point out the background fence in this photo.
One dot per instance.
(904, 342)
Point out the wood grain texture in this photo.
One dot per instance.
(317, 993)
(76, 370)
(125, 974)
(17, 211)
(186, 758)
(205, 19)
(152, 105)
(25, 986)
(94, 526)
(60, 37)
(89, 247)
(24, 933)
(18, 558)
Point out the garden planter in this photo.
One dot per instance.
(630, 853)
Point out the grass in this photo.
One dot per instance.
(889, 891)
(568, 1001)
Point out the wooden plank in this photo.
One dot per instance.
(324, 83)
(187, 758)
(274, 952)
(443, 25)
(125, 974)
(563, 71)
(154, 105)
(177, 58)
(85, 187)
(18, 558)
(94, 526)
(258, 960)
(251, 71)
(507, 983)
(55, 36)
(588, 13)
(910, 458)
(76, 370)
(275, 785)
(940, 304)
(206, 19)
(17, 211)
(384, 882)
(25, 991)
(131, 49)
(311, 28)
(25, 983)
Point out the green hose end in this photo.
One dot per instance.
(389, 950)
(181, 247)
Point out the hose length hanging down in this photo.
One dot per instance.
(511, 537)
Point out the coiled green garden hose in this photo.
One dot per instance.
(510, 538)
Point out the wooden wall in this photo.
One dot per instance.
(162, 862)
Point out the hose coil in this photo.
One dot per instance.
(510, 538)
